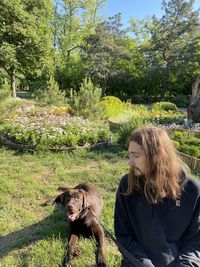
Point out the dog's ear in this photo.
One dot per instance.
(58, 199)
(85, 198)
(63, 189)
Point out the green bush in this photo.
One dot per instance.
(125, 130)
(191, 141)
(176, 144)
(52, 95)
(166, 106)
(110, 100)
(190, 150)
(179, 135)
(86, 102)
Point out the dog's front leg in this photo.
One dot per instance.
(70, 248)
(99, 236)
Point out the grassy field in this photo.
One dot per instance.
(37, 236)
(31, 235)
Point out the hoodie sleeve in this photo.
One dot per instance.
(189, 255)
(124, 232)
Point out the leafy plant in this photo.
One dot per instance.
(166, 106)
(86, 102)
(55, 132)
(125, 130)
(52, 95)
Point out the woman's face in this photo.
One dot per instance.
(137, 158)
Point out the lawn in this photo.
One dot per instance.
(32, 235)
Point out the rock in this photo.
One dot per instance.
(194, 107)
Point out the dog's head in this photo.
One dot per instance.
(74, 201)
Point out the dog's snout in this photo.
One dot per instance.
(70, 206)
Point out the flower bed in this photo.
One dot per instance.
(187, 142)
(54, 132)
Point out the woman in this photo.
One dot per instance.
(157, 209)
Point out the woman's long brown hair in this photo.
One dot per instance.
(164, 168)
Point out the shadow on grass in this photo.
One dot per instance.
(55, 225)
(103, 151)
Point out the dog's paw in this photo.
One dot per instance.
(76, 252)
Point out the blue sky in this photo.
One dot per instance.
(138, 9)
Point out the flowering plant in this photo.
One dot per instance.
(53, 131)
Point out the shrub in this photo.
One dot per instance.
(166, 106)
(126, 129)
(191, 141)
(190, 150)
(109, 100)
(86, 102)
(165, 117)
(52, 95)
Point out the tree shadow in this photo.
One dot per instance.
(54, 225)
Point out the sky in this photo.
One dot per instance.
(138, 9)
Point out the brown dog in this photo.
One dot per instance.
(83, 205)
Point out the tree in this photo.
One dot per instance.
(25, 37)
(103, 50)
(194, 107)
(169, 42)
(73, 21)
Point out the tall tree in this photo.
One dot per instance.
(73, 20)
(169, 41)
(25, 37)
(104, 49)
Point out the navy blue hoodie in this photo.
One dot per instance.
(166, 234)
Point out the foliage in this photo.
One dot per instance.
(114, 108)
(86, 102)
(109, 100)
(125, 130)
(166, 106)
(103, 50)
(169, 44)
(51, 131)
(190, 150)
(25, 38)
(52, 95)
(187, 142)
(154, 59)
(4, 90)
(181, 101)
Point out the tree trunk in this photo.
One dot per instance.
(194, 107)
(13, 85)
(165, 82)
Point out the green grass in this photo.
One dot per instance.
(35, 236)
(32, 235)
